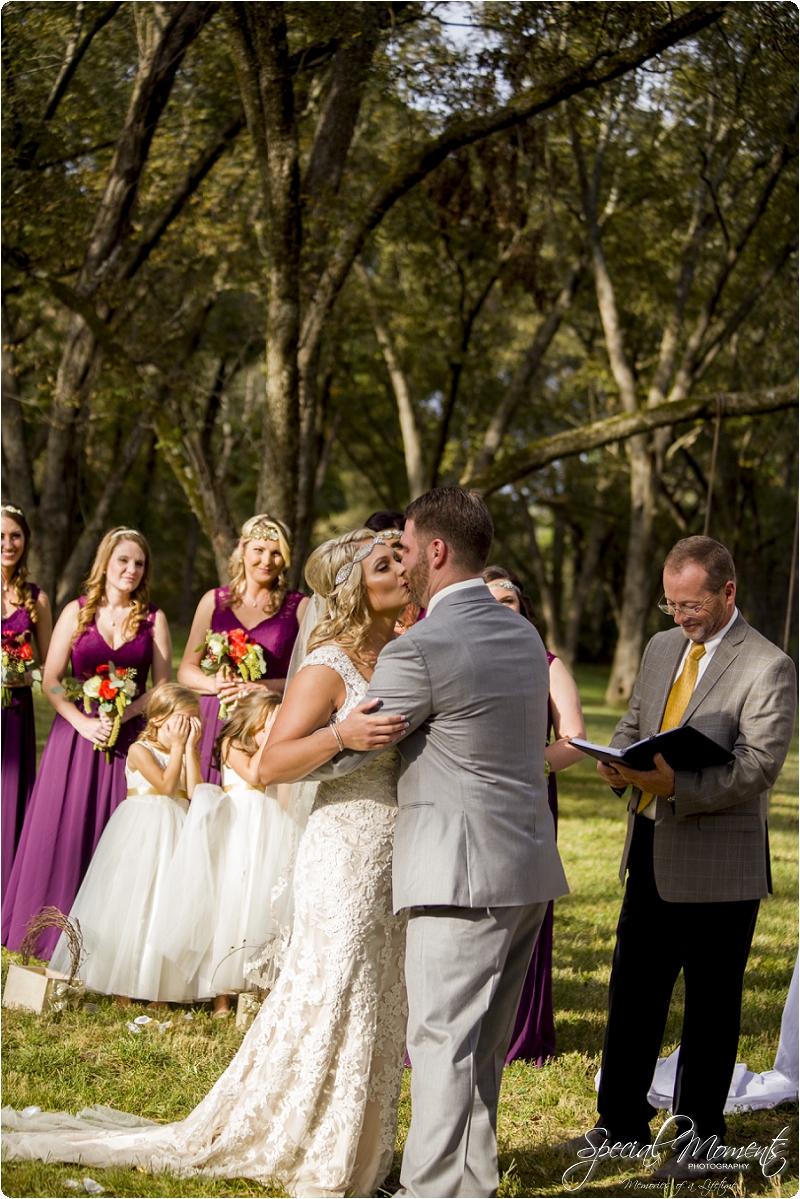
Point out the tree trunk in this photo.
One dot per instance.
(79, 560)
(261, 54)
(523, 377)
(17, 477)
(638, 586)
(187, 603)
(584, 575)
(174, 28)
(412, 443)
(548, 590)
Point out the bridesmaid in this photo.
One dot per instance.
(26, 610)
(256, 600)
(534, 1036)
(76, 790)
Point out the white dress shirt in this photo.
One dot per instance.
(452, 587)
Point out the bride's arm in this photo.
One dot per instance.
(301, 739)
(402, 683)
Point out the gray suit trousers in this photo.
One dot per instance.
(465, 968)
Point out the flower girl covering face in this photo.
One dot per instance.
(118, 898)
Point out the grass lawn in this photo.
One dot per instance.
(77, 1058)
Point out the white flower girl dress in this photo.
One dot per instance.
(121, 891)
(253, 836)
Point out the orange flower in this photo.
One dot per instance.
(239, 642)
(107, 691)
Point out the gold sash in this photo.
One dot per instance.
(152, 791)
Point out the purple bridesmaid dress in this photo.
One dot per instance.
(75, 793)
(19, 752)
(534, 1036)
(275, 634)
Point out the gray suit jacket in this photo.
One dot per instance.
(473, 828)
(712, 843)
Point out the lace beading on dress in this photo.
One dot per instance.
(377, 780)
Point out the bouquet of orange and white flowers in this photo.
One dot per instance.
(110, 688)
(17, 659)
(234, 649)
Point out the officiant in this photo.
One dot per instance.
(696, 852)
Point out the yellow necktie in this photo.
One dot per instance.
(678, 701)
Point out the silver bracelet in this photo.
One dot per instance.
(338, 737)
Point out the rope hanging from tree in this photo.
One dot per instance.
(712, 472)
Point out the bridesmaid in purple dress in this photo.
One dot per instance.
(26, 611)
(534, 1036)
(257, 601)
(76, 790)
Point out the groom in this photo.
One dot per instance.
(475, 858)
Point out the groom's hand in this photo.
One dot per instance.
(366, 729)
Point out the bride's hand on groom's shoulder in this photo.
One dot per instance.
(367, 727)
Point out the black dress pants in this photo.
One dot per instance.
(655, 940)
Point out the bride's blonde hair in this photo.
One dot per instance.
(345, 616)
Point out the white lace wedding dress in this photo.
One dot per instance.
(311, 1097)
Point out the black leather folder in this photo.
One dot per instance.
(684, 748)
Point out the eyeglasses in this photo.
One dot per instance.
(684, 609)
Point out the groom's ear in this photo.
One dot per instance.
(437, 551)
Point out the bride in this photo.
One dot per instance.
(310, 1099)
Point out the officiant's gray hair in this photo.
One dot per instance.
(460, 519)
(706, 552)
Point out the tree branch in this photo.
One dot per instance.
(686, 377)
(601, 68)
(194, 176)
(76, 48)
(619, 428)
(412, 444)
(524, 374)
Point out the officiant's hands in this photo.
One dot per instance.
(612, 776)
(660, 781)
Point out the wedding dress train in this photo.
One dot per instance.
(310, 1099)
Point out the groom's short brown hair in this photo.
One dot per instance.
(460, 519)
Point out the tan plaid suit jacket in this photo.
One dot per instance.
(711, 844)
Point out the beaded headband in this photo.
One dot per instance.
(265, 531)
(11, 508)
(364, 551)
(390, 534)
(127, 533)
(506, 584)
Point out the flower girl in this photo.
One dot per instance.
(236, 841)
(122, 888)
